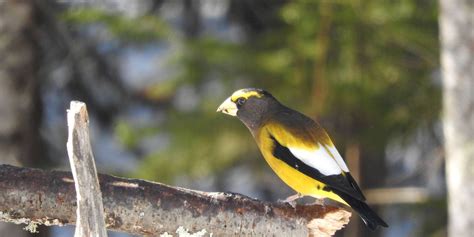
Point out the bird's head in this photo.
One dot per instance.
(250, 105)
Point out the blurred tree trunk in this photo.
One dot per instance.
(322, 42)
(457, 58)
(352, 155)
(372, 174)
(19, 110)
(191, 18)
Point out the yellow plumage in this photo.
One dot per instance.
(298, 181)
(298, 150)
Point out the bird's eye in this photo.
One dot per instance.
(241, 101)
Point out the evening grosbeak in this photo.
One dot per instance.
(299, 150)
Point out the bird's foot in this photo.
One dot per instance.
(319, 201)
(292, 199)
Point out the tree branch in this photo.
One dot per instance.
(146, 208)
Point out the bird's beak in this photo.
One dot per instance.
(228, 107)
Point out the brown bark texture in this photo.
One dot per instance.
(146, 208)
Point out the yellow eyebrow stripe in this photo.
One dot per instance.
(245, 94)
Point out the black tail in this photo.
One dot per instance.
(370, 218)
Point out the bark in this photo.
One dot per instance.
(457, 58)
(90, 210)
(146, 208)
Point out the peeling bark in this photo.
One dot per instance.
(146, 208)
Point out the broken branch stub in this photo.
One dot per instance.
(90, 210)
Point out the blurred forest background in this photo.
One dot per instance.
(153, 73)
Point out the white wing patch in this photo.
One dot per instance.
(325, 159)
(337, 157)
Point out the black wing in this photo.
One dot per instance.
(337, 182)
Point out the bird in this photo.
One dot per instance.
(298, 150)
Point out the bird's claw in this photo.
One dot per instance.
(291, 199)
(319, 201)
